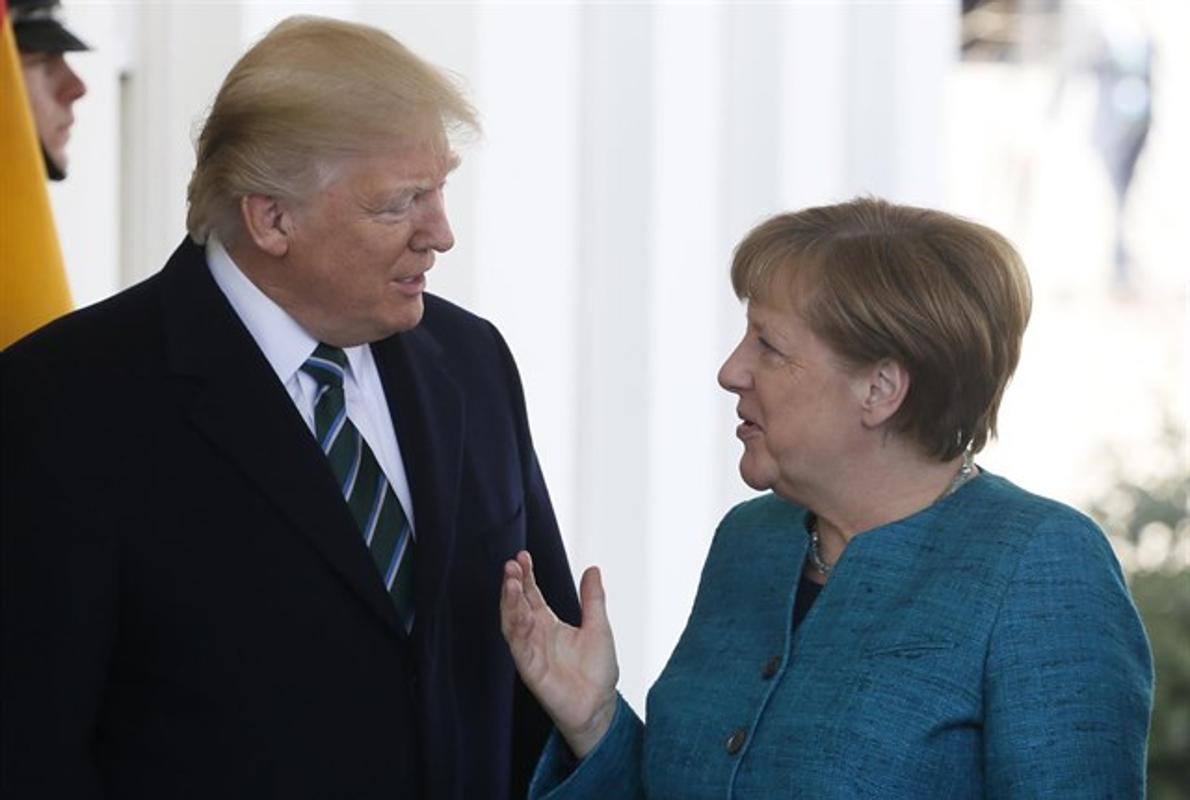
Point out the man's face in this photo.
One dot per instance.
(53, 87)
(358, 250)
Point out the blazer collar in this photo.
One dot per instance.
(428, 415)
(233, 397)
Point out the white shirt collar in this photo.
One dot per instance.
(284, 342)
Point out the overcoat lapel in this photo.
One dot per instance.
(428, 415)
(232, 395)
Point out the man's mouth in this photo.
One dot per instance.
(413, 285)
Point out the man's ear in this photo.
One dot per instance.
(884, 386)
(267, 223)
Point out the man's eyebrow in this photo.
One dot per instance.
(448, 164)
(404, 190)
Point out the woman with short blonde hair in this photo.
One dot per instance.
(888, 620)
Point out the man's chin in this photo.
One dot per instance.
(404, 319)
(407, 318)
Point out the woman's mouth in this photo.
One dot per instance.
(747, 429)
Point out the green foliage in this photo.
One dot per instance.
(1150, 525)
(1164, 603)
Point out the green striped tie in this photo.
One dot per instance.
(372, 502)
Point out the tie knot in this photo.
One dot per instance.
(326, 366)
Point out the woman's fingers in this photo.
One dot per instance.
(516, 617)
(572, 671)
(532, 592)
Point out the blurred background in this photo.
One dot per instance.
(628, 146)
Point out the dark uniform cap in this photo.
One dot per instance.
(38, 30)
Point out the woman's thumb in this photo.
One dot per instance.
(592, 598)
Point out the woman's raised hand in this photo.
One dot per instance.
(572, 671)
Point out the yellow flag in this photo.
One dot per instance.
(33, 288)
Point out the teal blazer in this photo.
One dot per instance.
(983, 647)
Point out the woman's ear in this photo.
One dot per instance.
(883, 386)
(267, 223)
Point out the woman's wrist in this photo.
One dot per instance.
(583, 740)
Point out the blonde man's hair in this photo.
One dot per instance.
(946, 298)
(310, 94)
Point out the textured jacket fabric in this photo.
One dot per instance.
(983, 647)
(189, 610)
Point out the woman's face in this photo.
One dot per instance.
(799, 404)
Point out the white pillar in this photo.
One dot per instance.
(616, 221)
(686, 283)
(752, 153)
(814, 104)
(899, 58)
(184, 51)
(526, 172)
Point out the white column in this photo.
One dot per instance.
(899, 56)
(686, 285)
(615, 235)
(185, 50)
(526, 172)
(752, 154)
(814, 104)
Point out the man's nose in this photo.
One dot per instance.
(433, 231)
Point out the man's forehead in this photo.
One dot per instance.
(419, 162)
(445, 161)
(422, 148)
(391, 172)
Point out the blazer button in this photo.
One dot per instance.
(736, 741)
(770, 667)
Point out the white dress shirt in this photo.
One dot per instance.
(287, 345)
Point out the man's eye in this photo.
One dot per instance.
(764, 344)
(397, 208)
(405, 204)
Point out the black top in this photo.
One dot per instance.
(807, 593)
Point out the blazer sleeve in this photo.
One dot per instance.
(531, 725)
(58, 586)
(543, 538)
(612, 769)
(1069, 678)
